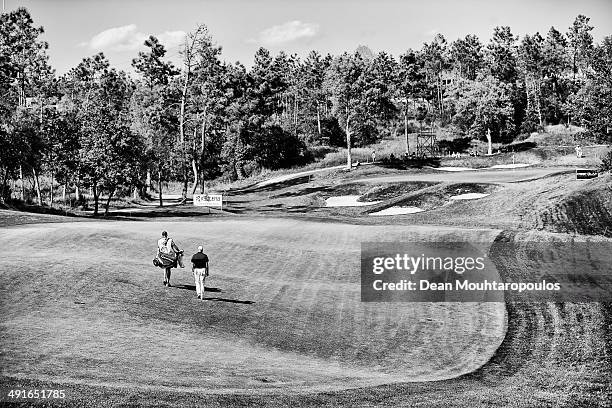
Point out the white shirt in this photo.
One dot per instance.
(165, 245)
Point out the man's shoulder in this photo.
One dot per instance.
(199, 255)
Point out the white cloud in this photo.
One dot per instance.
(286, 32)
(128, 38)
(171, 39)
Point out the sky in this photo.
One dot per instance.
(79, 28)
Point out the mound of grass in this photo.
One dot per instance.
(431, 196)
(392, 190)
(585, 209)
(478, 162)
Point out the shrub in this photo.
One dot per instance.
(276, 148)
(331, 131)
(606, 162)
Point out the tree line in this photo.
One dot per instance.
(113, 133)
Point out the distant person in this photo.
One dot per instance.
(373, 156)
(578, 151)
(199, 267)
(169, 255)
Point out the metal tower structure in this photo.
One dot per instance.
(427, 142)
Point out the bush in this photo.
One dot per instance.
(332, 132)
(606, 162)
(319, 152)
(276, 148)
(586, 137)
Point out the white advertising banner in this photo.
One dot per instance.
(208, 200)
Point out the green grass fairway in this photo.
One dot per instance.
(82, 304)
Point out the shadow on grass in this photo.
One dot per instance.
(305, 191)
(518, 147)
(215, 299)
(242, 302)
(409, 162)
(193, 288)
(272, 186)
(16, 205)
(458, 145)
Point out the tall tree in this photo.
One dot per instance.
(24, 51)
(555, 65)
(435, 59)
(410, 85)
(591, 106)
(581, 44)
(466, 56)
(501, 55)
(24, 70)
(531, 61)
(154, 112)
(207, 110)
(344, 81)
(380, 91)
(484, 108)
(198, 47)
(310, 82)
(110, 155)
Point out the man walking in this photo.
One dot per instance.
(169, 254)
(199, 266)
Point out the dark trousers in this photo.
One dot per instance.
(167, 273)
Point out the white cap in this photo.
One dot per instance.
(200, 248)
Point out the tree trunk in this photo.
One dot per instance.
(490, 147)
(295, 116)
(51, 189)
(538, 91)
(406, 130)
(110, 195)
(4, 194)
(37, 186)
(319, 120)
(64, 192)
(202, 150)
(182, 130)
(349, 159)
(95, 192)
(159, 187)
(194, 167)
(22, 193)
(203, 134)
(239, 170)
(440, 96)
(527, 93)
(185, 184)
(182, 110)
(148, 182)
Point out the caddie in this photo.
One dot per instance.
(169, 255)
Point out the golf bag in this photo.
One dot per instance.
(168, 260)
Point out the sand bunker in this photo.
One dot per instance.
(397, 211)
(347, 201)
(468, 196)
